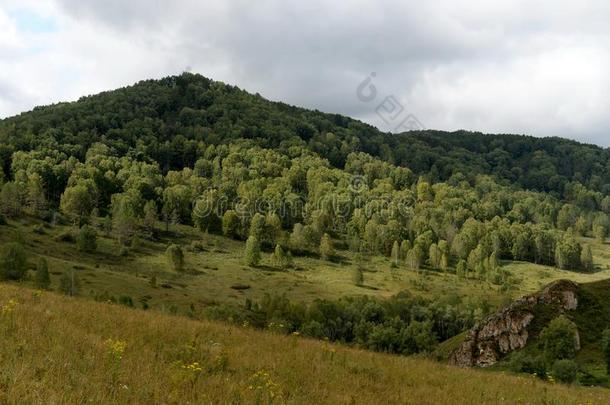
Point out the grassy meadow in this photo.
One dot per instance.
(57, 349)
(218, 275)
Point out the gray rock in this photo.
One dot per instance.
(507, 330)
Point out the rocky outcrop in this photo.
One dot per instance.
(507, 330)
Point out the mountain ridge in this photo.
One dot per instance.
(194, 107)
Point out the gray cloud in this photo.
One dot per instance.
(504, 66)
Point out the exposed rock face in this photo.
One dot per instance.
(507, 330)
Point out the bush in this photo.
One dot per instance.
(39, 230)
(65, 236)
(560, 339)
(327, 250)
(135, 242)
(69, 284)
(175, 256)
(126, 300)
(357, 276)
(42, 279)
(2, 220)
(86, 240)
(565, 370)
(524, 363)
(123, 251)
(13, 262)
(313, 329)
(281, 258)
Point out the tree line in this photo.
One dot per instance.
(300, 203)
(401, 324)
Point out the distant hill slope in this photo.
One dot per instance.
(162, 117)
(61, 350)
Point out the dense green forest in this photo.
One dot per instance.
(165, 121)
(194, 151)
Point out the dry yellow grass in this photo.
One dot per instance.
(60, 350)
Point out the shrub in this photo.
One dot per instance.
(42, 279)
(565, 370)
(86, 240)
(523, 363)
(175, 256)
(135, 242)
(39, 230)
(123, 251)
(357, 276)
(560, 339)
(65, 236)
(313, 329)
(69, 284)
(281, 258)
(13, 263)
(126, 300)
(327, 250)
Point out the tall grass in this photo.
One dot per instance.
(56, 349)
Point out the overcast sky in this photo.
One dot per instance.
(539, 68)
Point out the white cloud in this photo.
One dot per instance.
(502, 66)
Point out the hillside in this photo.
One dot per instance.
(63, 350)
(188, 196)
(218, 266)
(165, 118)
(504, 339)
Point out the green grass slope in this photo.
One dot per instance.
(61, 350)
(213, 272)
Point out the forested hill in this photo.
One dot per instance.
(165, 120)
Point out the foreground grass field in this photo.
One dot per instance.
(65, 350)
(214, 273)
